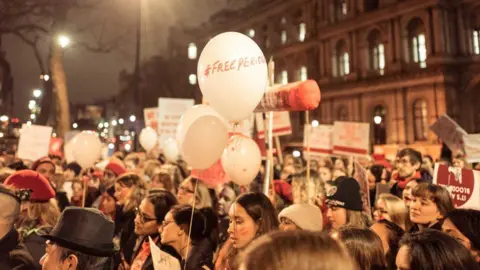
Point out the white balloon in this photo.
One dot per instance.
(241, 160)
(148, 138)
(204, 141)
(86, 148)
(232, 75)
(170, 150)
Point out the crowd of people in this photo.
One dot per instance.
(61, 216)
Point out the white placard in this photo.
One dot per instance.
(351, 139)
(320, 140)
(34, 142)
(281, 124)
(170, 110)
(67, 145)
(162, 260)
(449, 132)
(472, 147)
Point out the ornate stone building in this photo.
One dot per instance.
(397, 64)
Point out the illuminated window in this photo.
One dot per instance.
(284, 77)
(418, 43)
(303, 74)
(302, 31)
(192, 79)
(340, 9)
(476, 42)
(420, 112)
(284, 37)
(377, 52)
(192, 51)
(341, 60)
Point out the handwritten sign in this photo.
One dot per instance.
(170, 110)
(234, 64)
(281, 124)
(472, 147)
(34, 142)
(449, 132)
(162, 260)
(463, 185)
(351, 138)
(320, 140)
(151, 116)
(362, 178)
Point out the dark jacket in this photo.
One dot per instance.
(35, 244)
(128, 238)
(200, 255)
(62, 199)
(437, 226)
(13, 254)
(148, 264)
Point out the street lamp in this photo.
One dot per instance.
(32, 116)
(4, 118)
(75, 125)
(37, 93)
(120, 121)
(315, 123)
(133, 118)
(377, 119)
(114, 123)
(63, 41)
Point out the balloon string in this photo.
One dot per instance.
(191, 222)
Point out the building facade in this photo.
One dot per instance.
(396, 64)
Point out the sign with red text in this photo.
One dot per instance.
(34, 142)
(351, 139)
(463, 185)
(450, 133)
(320, 140)
(472, 147)
(151, 117)
(233, 64)
(281, 124)
(55, 147)
(170, 110)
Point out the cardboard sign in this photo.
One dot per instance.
(449, 132)
(472, 147)
(281, 124)
(351, 139)
(55, 147)
(151, 117)
(320, 140)
(34, 142)
(463, 185)
(170, 110)
(162, 260)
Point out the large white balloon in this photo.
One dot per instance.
(170, 150)
(148, 138)
(202, 142)
(232, 75)
(241, 160)
(86, 148)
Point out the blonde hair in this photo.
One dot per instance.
(138, 190)
(396, 209)
(151, 167)
(38, 215)
(203, 198)
(358, 219)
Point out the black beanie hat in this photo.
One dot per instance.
(75, 167)
(346, 194)
(467, 222)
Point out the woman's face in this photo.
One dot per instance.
(449, 228)
(287, 225)
(325, 174)
(69, 174)
(185, 193)
(46, 169)
(108, 205)
(155, 183)
(424, 211)
(371, 180)
(382, 209)
(242, 228)
(77, 190)
(403, 260)
(169, 230)
(339, 165)
(407, 194)
(337, 216)
(122, 193)
(145, 220)
(225, 200)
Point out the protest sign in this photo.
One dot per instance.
(450, 133)
(320, 140)
(472, 147)
(151, 117)
(34, 142)
(362, 178)
(67, 146)
(162, 260)
(170, 110)
(351, 139)
(281, 124)
(463, 185)
(55, 147)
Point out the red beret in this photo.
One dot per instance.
(116, 168)
(41, 189)
(42, 161)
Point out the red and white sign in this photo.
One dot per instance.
(449, 132)
(170, 110)
(320, 140)
(281, 124)
(463, 185)
(351, 139)
(151, 117)
(472, 147)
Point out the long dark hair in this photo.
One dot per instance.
(204, 221)
(261, 210)
(394, 234)
(467, 222)
(434, 250)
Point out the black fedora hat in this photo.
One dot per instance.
(85, 230)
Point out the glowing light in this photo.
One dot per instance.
(111, 146)
(377, 119)
(46, 78)
(315, 123)
(75, 125)
(120, 121)
(100, 126)
(105, 125)
(29, 123)
(4, 118)
(37, 93)
(128, 147)
(296, 153)
(133, 118)
(114, 123)
(32, 116)
(54, 135)
(63, 41)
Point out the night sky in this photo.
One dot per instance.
(94, 76)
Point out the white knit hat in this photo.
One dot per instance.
(306, 216)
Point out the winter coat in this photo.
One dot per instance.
(35, 244)
(13, 254)
(199, 256)
(128, 238)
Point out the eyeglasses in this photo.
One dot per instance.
(185, 190)
(142, 216)
(165, 223)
